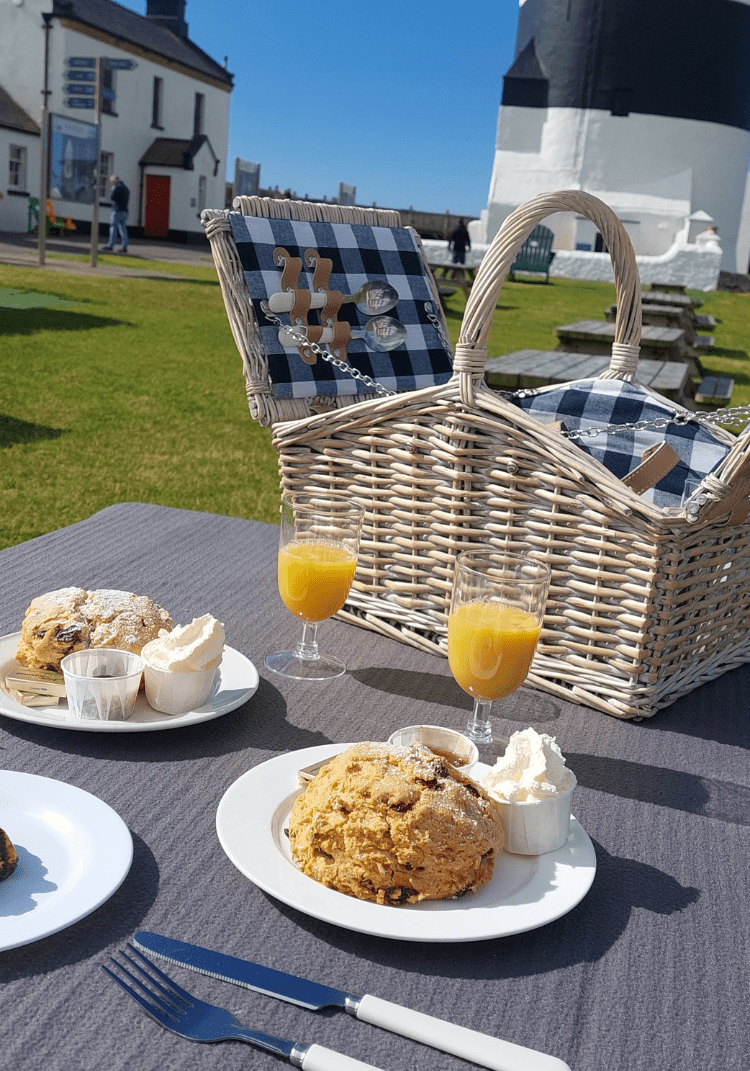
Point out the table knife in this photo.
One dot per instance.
(459, 1040)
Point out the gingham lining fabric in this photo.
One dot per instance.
(595, 403)
(359, 253)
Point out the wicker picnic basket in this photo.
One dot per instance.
(646, 602)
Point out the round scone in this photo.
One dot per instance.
(72, 619)
(395, 825)
(8, 856)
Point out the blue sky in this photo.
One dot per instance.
(398, 98)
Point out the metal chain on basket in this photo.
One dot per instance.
(738, 415)
(297, 336)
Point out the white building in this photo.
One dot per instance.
(163, 122)
(632, 101)
(19, 152)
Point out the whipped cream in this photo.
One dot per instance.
(532, 768)
(187, 648)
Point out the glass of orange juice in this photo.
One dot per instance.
(496, 614)
(318, 547)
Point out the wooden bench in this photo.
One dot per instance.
(535, 255)
(714, 390)
(538, 368)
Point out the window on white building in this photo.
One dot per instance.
(158, 103)
(108, 82)
(106, 168)
(17, 167)
(198, 115)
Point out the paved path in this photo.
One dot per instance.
(22, 249)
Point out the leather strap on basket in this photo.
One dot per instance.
(471, 350)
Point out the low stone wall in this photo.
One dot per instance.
(694, 266)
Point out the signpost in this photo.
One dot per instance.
(84, 88)
(95, 211)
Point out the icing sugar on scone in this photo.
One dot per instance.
(73, 619)
(395, 825)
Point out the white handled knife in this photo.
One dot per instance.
(459, 1040)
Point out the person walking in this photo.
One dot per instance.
(120, 196)
(459, 242)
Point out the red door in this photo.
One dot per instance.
(156, 217)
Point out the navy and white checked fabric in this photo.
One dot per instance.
(595, 403)
(359, 253)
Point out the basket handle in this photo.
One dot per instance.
(471, 350)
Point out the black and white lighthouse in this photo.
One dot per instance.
(645, 103)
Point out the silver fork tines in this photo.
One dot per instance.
(176, 1010)
(177, 1002)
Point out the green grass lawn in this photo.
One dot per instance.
(116, 390)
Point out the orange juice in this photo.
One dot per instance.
(314, 578)
(490, 647)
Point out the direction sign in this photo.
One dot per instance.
(81, 61)
(107, 93)
(84, 90)
(79, 102)
(120, 64)
(77, 75)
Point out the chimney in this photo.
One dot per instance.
(168, 13)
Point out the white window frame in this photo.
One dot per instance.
(157, 104)
(106, 168)
(17, 167)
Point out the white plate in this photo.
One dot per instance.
(525, 891)
(73, 853)
(236, 683)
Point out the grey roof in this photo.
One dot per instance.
(176, 152)
(13, 117)
(129, 27)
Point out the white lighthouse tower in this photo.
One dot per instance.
(644, 103)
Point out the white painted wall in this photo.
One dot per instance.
(743, 238)
(14, 208)
(694, 265)
(128, 134)
(652, 170)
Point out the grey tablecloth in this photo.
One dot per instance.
(648, 972)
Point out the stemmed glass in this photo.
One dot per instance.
(318, 547)
(496, 614)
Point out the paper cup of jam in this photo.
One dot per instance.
(456, 748)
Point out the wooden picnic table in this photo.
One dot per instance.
(457, 276)
(596, 337)
(538, 368)
(665, 297)
(674, 310)
(677, 316)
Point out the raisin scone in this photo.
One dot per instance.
(8, 856)
(72, 619)
(395, 825)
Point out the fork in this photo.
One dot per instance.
(176, 1010)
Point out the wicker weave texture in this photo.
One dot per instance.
(643, 606)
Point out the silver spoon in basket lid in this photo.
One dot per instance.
(380, 333)
(374, 296)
